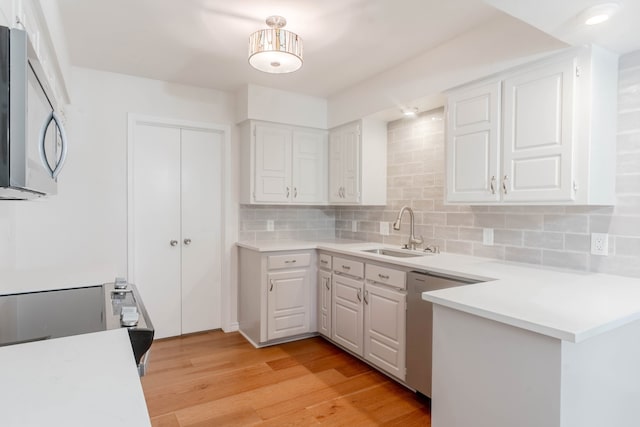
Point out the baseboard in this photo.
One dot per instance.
(231, 327)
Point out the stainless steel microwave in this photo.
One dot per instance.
(33, 145)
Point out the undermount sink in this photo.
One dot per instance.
(394, 253)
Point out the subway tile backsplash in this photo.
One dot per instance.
(555, 236)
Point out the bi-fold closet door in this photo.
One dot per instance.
(176, 218)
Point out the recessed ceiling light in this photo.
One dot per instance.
(599, 13)
(410, 112)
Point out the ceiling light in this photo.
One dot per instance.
(599, 13)
(410, 112)
(274, 50)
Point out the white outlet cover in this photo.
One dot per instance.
(600, 244)
(487, 236)
(270, 225)
(354, 226)
(384, 228)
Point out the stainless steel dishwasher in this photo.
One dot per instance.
(420, 326)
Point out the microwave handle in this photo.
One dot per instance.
(53, 117)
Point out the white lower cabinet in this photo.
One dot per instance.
(347, 313)
(369, 318)
(384, 328)
(324, 302)
(277, 294)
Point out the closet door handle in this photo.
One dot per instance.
(187, 242)
(173, 242)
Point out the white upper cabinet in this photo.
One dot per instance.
(540, 134)
(473, 138)
(358, 163)
(283, 164)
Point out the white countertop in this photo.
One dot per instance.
(564, 304)
(82, 380)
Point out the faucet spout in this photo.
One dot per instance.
(413, 240)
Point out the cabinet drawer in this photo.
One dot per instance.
(388, 276)
(347, 266)
(325, 261)
(288, 261)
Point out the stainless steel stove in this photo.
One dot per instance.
(36, 316)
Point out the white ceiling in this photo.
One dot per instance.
(204, 42)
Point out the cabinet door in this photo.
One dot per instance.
(347, 318)
(201, 229)
(324, 303)
(335, 167)
(351, 164)
(272, 163)
(287, 304)
(537, 137)
(309, 166)
(384, 328)
(473, 138)
(156, 223)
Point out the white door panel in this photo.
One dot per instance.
(156, 187)
(201, 229)
(287, 304)
(346, 311)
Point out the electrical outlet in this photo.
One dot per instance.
(384, 228)
(487, 236)
(599, 243)
(354, 225)
(270, 225)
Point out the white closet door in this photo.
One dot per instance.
(201, 229)
(156, 221)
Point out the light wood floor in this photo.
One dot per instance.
(218, 379)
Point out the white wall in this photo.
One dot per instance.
(279, 106)
(489, 48)
(81, 233)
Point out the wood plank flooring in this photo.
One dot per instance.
(218, 379)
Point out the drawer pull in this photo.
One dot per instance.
(382, 276)
(346, 267)
(324, 261)
(290, 261)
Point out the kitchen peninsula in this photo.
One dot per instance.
(529, 346)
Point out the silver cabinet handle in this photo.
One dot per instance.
(359, 295)
(326, 283)
(53, 117)
(288, 192)
(295, 192)
(492, 185)
(290, 261)
(366, 297)
(271, 282)
(187, 242)
(173, 242)
(346, 267)
(382, 276)
(324, 261)
(504, 183)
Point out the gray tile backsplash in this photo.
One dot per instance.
(556, 236)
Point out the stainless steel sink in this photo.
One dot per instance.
(394, 253)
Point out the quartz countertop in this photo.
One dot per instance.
(564, 304)
(82, 380)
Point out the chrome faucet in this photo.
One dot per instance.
(413, 241)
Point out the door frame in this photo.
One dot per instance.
(228, 237)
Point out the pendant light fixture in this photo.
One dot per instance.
(274, 50)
